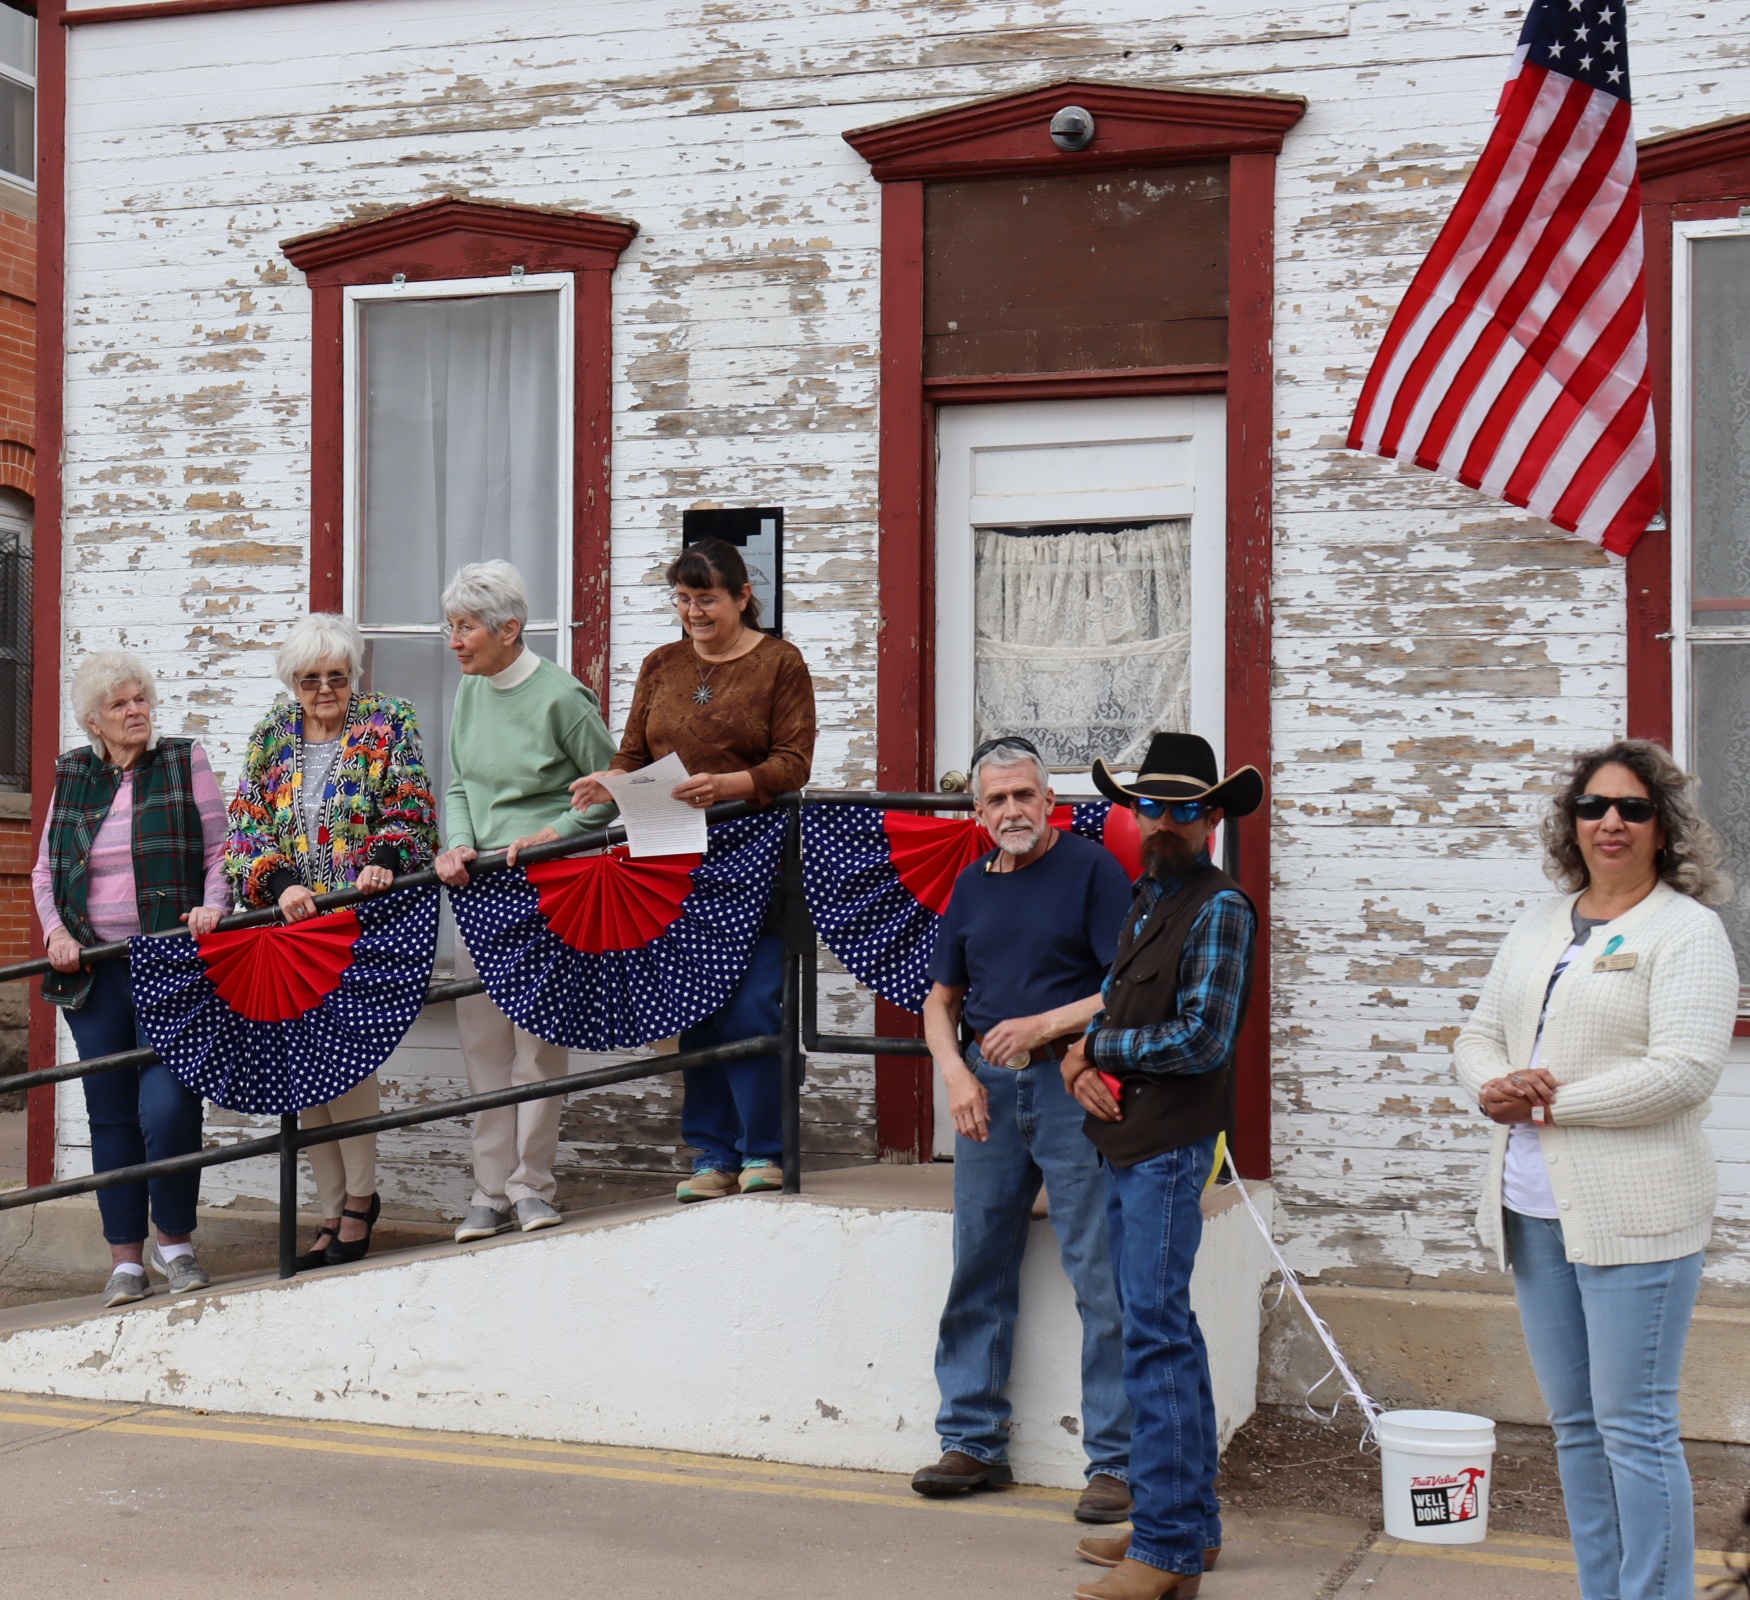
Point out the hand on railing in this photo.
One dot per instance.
(452, 866)
(296, 903)
(517, 846)
(64, 951)
(202, 920)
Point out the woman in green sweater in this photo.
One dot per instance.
(522, 732)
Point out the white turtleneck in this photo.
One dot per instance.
(519, 671)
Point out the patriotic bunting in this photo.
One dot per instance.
(607, 952)
(878, 882)
(271, 1020)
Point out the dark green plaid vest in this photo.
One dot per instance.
(169, 849)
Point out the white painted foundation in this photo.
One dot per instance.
(799, 1330)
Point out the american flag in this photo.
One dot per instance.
(1517, 363)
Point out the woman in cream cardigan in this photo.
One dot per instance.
(1600, 1034)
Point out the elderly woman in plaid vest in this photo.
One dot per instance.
(135, 843)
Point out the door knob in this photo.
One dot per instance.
(952, 782)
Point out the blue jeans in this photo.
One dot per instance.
(734, 1111)
(137, 1114)
(1154, 1216)
(1035, 1135)
(1607, 1346)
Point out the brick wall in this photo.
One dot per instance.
(15, 861)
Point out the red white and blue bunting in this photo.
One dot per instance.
(609, 952)
(271, 1020)
(878, 882)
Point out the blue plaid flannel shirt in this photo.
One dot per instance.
(1212, 978)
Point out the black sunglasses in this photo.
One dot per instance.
(1181, 811)
(1630, 807)
(1013, 740)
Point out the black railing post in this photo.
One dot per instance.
(798, 940)
(288, 1150)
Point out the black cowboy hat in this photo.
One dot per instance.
(1181, 766)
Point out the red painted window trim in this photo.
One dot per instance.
(1134, 127)
(1700, 173)
(449, 239)
(51, 352)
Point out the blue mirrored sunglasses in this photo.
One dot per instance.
(1181, 811)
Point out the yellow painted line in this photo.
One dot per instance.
(1708, 1563)
(439, 1439)
(85, 1408)
(579, 1469)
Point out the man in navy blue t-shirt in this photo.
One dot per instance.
(1019, 958)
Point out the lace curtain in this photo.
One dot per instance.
(1083, 639)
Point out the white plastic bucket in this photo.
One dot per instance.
(1435, 1468)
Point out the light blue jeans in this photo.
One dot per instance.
(1035, 1135)
(1607, 1346)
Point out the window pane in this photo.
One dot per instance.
(18, 130)
(1720, 422)
(460, 446)
(18, 40)
(1083, 638)
(1721, 743)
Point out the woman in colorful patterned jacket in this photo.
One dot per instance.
(334, 795)
(135, 843)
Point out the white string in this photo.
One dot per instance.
(1339, 1367)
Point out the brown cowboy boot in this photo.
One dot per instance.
(1136, 1580)
(1108, 1552)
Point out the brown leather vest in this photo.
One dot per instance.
(1163, 1112)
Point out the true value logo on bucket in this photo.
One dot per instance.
(1445, 1497)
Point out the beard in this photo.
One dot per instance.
(1166, 855)
(1019, 838)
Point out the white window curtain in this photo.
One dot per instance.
(1083, 639)
(458, 461)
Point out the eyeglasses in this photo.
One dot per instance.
(709, 601)
(1181, 811)
(1630, 807)
(309, 682)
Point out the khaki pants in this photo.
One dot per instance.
(514, 1146)
(345, 1166)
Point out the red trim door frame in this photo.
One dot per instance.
(1134, 127)
(446, 240)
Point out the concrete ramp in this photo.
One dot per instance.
(796, 1329)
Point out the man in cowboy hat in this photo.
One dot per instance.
(1020, 955)
(1155, 1073)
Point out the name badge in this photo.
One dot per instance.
(1618, 963)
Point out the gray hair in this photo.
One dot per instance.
(1690, 860)
(101, 675)
(1008, 755)
(492, 592)
(316, 640)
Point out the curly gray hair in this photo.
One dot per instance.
(99, 676)
(316, 641)
(1690, 858)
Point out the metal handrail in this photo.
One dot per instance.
(799, 1028)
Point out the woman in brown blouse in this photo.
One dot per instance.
(737, 706)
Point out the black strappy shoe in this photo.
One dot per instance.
(317, 1255)
(342, 1250)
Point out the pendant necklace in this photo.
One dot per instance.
(702, 694)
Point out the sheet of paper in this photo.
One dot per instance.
(657, 824)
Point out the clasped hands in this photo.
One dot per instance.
(1083, 1080)
(1512, 1098)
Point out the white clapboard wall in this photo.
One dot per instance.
(1435, 654)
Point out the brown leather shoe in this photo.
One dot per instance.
(1108, 1552)
(1136, 1580)
(1106, 1499)
(958, 1472)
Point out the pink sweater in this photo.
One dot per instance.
(110, 899)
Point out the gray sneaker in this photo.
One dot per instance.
(182, 1274)
(533, 1214)
(482, 1223)
(124, 1288)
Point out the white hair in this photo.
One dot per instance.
(102, 675)
(492, 592)
(317, 640)
(1008, 755)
